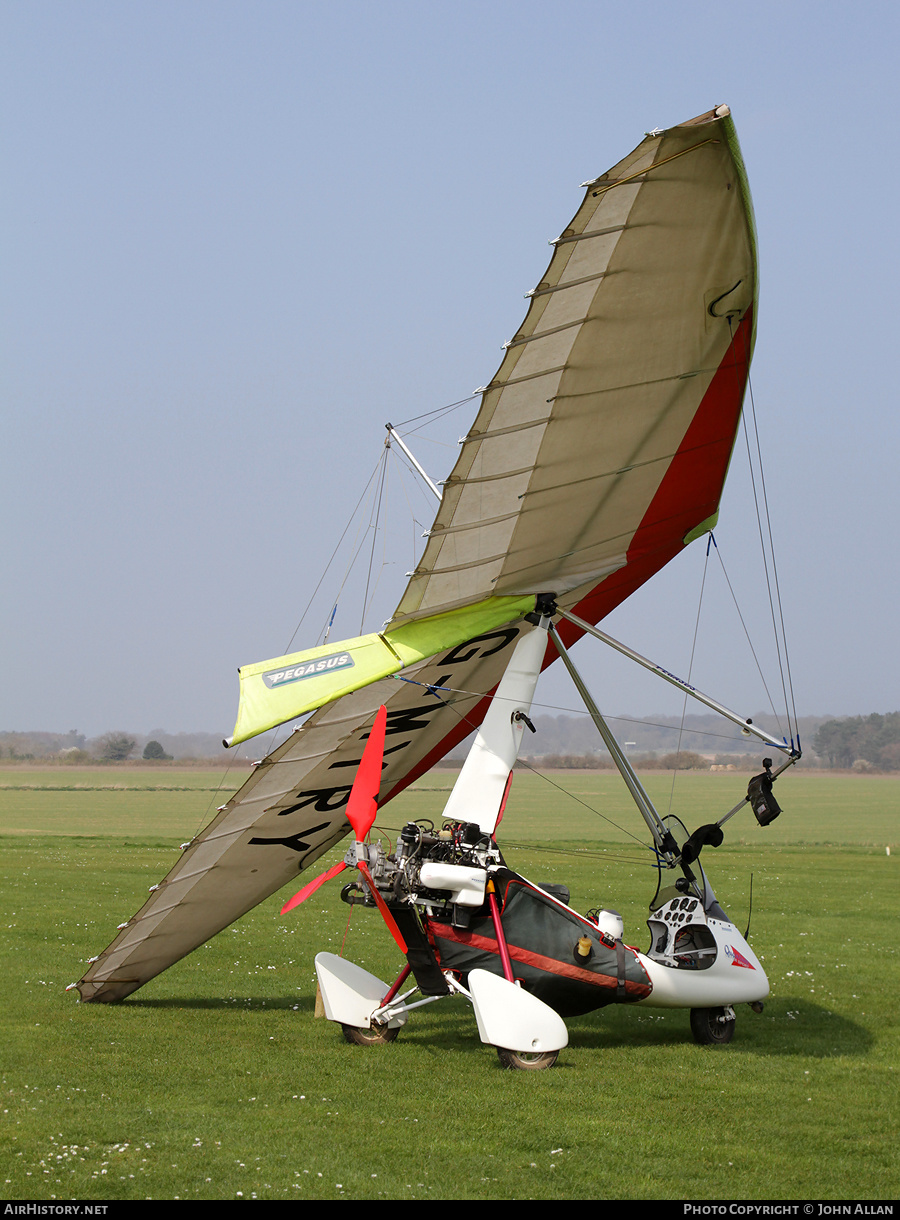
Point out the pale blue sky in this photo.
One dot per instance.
(239, 237)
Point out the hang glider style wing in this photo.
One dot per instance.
(599, 451)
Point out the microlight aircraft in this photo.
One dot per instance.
(599, 452)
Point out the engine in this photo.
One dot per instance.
(434, 870)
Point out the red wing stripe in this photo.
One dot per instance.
(527, 958)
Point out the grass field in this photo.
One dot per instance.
(215, 1081)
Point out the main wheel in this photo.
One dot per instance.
(376, 1035)
(527, 1061)
(712, 1026)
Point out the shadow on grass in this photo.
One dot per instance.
(449, 1022)
(803, 1030)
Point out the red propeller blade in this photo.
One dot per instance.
(382, 906)
(303, 894)
(361, 810)
(362, 806)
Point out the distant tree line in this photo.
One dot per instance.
(862, 742)
(679, 760)
(74, 747)
(119, 747)
(654, 736)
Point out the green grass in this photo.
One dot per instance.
(119, 801)
(215, 1080)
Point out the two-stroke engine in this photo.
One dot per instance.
(439, 871)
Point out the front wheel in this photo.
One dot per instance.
(375, 1035)
(527, 1061)
(712, 1026)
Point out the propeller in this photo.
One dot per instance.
(362, 808)
(303, 894)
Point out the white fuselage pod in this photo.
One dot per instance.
(478, 793)
(700, 961)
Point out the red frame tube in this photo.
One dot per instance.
(501, 939)
(401, 979)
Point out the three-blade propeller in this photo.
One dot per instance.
(362, 808)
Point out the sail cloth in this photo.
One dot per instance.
(599, 451)
(273, 692)
(624, 336)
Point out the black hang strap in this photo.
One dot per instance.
(620, 970)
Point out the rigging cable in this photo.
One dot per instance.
(780, 641)
(273, 740)
(746, 631)
(787, 685)
(524, 763)
(540, 774)
(332, 559)
(689, 674)
(438, 412)
(374, 520)
(574, 711)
